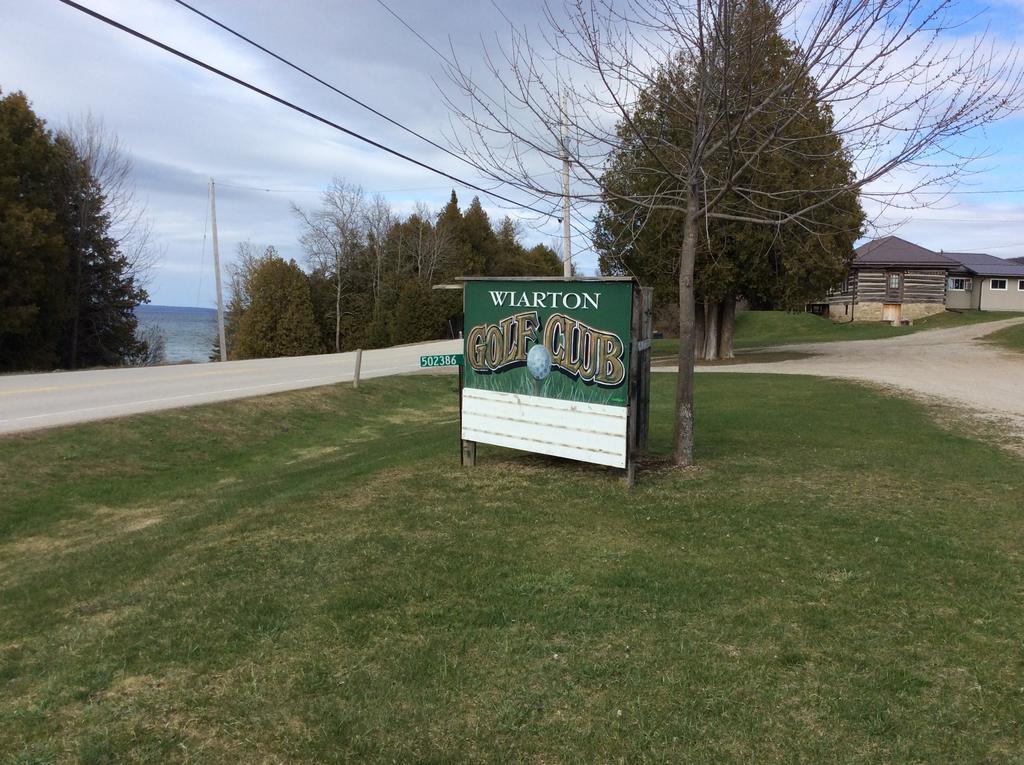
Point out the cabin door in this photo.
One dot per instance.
(891, 312)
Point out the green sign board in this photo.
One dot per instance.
(442, 360)
(563, 340)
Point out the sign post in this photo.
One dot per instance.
(448, 360)
(467, 449)
(556, 366)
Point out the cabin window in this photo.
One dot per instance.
(1020, 285)
(999, 284)
(839, 289)
(894, 281)
(960, 284)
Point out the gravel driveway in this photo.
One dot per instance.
(954, 365)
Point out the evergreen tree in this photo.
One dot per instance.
(781, 267)
(278, 320)
(322, 290)
(541, 260)
(67, 292)
(239, 284)
(510, 258)
(417, 315)
(100, 328)
(389, 269)
(451, 221)
(513, 259)
(481, 242)
(33, 268)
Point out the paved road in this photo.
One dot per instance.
(956, 365)
(29, 402)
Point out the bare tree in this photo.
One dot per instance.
(109, 163)
(101, 171)
(429, 243)
(903, 89)
(439, 247)
(153, 349)
(332, 237)
(377, 222)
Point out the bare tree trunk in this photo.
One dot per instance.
(728, 323)
(684, 383)
(401, 250)
(377, 270)
(711, 330)
(337, 313)
(420, 254)
(700, 329)
(73, 358)
(334, 231)
(79, 257)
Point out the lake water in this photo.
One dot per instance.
(189, 332)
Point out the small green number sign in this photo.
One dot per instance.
(442, 360)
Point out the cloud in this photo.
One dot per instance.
(184, 126)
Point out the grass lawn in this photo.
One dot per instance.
(311, 577)
(764, 329)
(1011, 338)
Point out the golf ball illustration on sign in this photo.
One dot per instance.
(538, 363)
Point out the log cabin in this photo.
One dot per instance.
(892, 280)
(897, 281)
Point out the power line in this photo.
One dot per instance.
(423, 39)
(985, 191)
(1005, 246)
(278, 99)
(915, 218)
(328, 85)
(938, 193)
(272, 191)
(222, 184)
(322, 189)
(454, 66)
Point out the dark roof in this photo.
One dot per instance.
(893, 251)
(1017, 260)
(980, 264)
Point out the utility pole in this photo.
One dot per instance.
(566, 231)
(216, 270)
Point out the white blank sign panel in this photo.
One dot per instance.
(572, 429)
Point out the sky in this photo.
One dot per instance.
(183, 126)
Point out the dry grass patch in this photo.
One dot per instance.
(94, 525)
(314, 452)
(436, 414)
